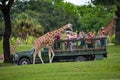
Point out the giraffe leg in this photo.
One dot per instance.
(49, 53)
(39, 54)
(34, 56)
(53, 54)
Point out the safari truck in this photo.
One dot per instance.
(67, 50)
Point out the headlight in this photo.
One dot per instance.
(15, 56)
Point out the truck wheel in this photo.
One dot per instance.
(80, 59)
(24, 61)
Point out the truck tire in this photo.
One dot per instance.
(80, 59)
(24, 61)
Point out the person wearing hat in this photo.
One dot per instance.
(102, 30)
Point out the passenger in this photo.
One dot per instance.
(102, 41)
(82, 44)
(57, 37)
(67, 43)
(102, 30)
(92, 34)
(62, 37)
(73, 42)
(100, 33)
(88, 41)
(98, 41)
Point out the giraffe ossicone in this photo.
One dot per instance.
(46, 41)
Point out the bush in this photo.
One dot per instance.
(108, 39)
(29, 40)
(113, 38)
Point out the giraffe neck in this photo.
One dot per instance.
(12, 49)
(58, 31)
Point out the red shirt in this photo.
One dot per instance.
(58, 37)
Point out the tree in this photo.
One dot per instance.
(107, 4)
(5, 6)
(54, 13)
(117, 29)
(94, 17)
(24, 26)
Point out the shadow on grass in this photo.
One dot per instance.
(5, 64)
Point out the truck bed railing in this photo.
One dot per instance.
(75, 45)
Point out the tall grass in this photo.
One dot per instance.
(107, 69)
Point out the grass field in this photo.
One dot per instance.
(107, 69)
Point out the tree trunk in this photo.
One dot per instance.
(117, 32)
(117, 27)
(7, 33)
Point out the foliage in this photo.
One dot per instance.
(29, 40)
(113, 38)
(82, 17)
(23, 47)
(107, 69)
(24, 25)
(51, 14)
(18, 7)
(94, 17)
(55, 15)
(108, 4)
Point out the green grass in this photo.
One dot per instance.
(107, 69)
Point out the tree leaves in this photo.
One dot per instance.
(24, 25)
(51, 14)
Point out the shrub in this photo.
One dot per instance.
(113, 38)
(29, 40)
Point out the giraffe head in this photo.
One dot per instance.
(69, 26)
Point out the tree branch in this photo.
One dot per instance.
(0, 6)
(10, 3)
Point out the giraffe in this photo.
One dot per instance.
(12, 49)
(46, 41)
(109, 29)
